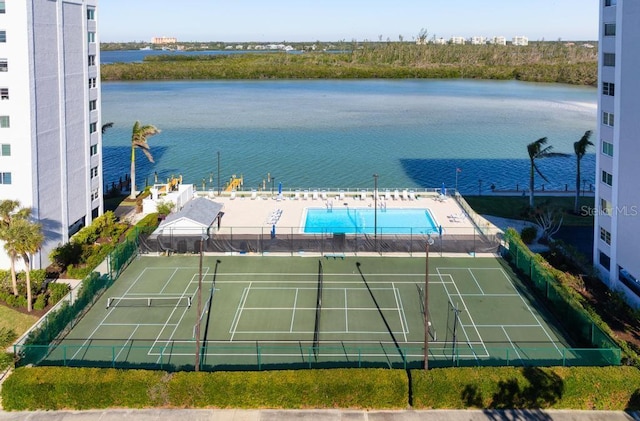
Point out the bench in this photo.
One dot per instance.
(334, 255)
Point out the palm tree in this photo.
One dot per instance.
(10, 211)
(580, 148)
(25, 239)
(139, 137)
(106, 126)
(538, 150)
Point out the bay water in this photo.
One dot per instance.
(322, 134)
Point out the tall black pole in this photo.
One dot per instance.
(198, 345)
(426, 304)
(375, 209)
(218, 173)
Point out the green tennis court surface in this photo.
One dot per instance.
(288, 312)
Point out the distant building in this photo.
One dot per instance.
(457, 40)
(440, 41)
(163, 40)
(499, 41)
(520, 41)
(617, 209)
(51, 143)
(478, 40)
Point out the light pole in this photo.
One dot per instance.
(426, 303)
(218, 173)
(198, 345)
(375, 209)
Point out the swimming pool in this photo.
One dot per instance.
(362, 221)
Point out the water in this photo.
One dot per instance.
(324, 134)
(363, 221)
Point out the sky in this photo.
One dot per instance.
(335, 20)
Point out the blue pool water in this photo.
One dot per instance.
(363, 221)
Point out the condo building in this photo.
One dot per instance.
(50, 128)
(617, 215)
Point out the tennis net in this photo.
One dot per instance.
(316, 329)
(159, 301)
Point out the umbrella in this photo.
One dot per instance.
(443, 190)
(280, 188)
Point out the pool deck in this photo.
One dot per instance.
(254, 215)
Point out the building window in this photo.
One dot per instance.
(94, 172)
(91, 14)
(93, 104)
(93, 150)
(609, 29)
(605, 261)
(5, 178)
(92, 37)
(93, 127)
(607, 119)
(94, 195)
(2, 9)
(4, 122)
(607, 148)
(610, 2)
(609, 59)
(608, 88)
(5, 149)
(92, 60)
(92, 82)
(605, 206)
(3, 36)
(607, 178)
(4, 65)
(4, 93)
(605, 235)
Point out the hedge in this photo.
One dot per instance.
(581, 388)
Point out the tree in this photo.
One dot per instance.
(106, 126)
(538, 150)
(11, 211)
(139, 137)
(24, 239)
(580, 148)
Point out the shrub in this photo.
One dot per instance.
(57, 291)
(40, 303)
(165, 208)
(529, 234)
(65, 255)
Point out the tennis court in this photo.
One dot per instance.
(291, 312)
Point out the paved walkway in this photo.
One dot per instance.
(316, 415)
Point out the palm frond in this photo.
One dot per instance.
(106, 126)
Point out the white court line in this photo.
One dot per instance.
(236, 315)
(247, 289)
(346, 312)
(471, 318)
(323, 308)
(105, 317)
(400, 312)
(534, 316)
(449, 297)
(489, 295)
(135, 324)
(293, 311)
(124, 346)
(512, 344)
(476, 281)
(168, 280)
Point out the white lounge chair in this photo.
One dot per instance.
(314, 195)
(305, 195)
(405, 195)
(396, 195)
(363, 195)
(233, 195)
(324, 195)
(387, 195)
(254, 194)
(341, 195)
(412, 195)
(296, 195)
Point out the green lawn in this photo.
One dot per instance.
(517, 207)
(18, 322)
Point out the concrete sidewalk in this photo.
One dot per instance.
(314, 415)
